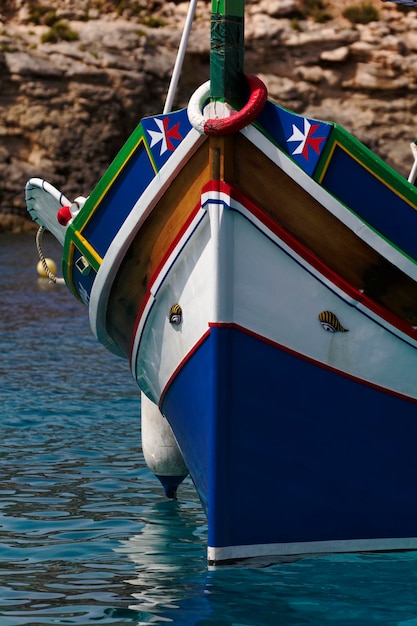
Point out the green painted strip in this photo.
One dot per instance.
(93, 202)
(227, 82)
(72, 240)
(229, 7)
(108, 178)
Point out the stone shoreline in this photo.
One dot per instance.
(66, 108)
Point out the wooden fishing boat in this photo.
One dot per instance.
(259, 270)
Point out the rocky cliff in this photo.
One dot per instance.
(75, 80)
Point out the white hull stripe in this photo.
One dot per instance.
(231, 553)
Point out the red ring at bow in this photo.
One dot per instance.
(244, 117)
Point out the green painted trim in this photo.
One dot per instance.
(109, 176)
(86, 250)
(72, 242)
(74, 238)
(227, 46)
(67, 268)
(229, 7)
(74, 231)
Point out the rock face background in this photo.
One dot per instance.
(66, 107)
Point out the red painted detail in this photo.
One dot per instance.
(283, 348)
(244, 117)
(301, 356)
(64, 215)
(218, 186)
(313, 142)
(171, 133)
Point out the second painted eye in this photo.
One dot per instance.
(330, 322)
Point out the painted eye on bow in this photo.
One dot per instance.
(330, 322)
(175, 315)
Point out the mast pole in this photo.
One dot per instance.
(180, 57)
(227, 80)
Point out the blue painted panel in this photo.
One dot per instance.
(162, 136)
(301, 137)
(119, 201)
(372, 200)
(290, 451)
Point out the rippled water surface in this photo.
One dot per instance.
(86, 535)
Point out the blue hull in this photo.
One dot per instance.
(275, 463)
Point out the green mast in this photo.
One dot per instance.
(227, 81)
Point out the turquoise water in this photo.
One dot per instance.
(86, 535)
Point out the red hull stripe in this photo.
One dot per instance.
(282, 348)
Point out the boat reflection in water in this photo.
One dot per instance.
(165, 579)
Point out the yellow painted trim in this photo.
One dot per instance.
(326, 165)
(88, 247)
(83, 243)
